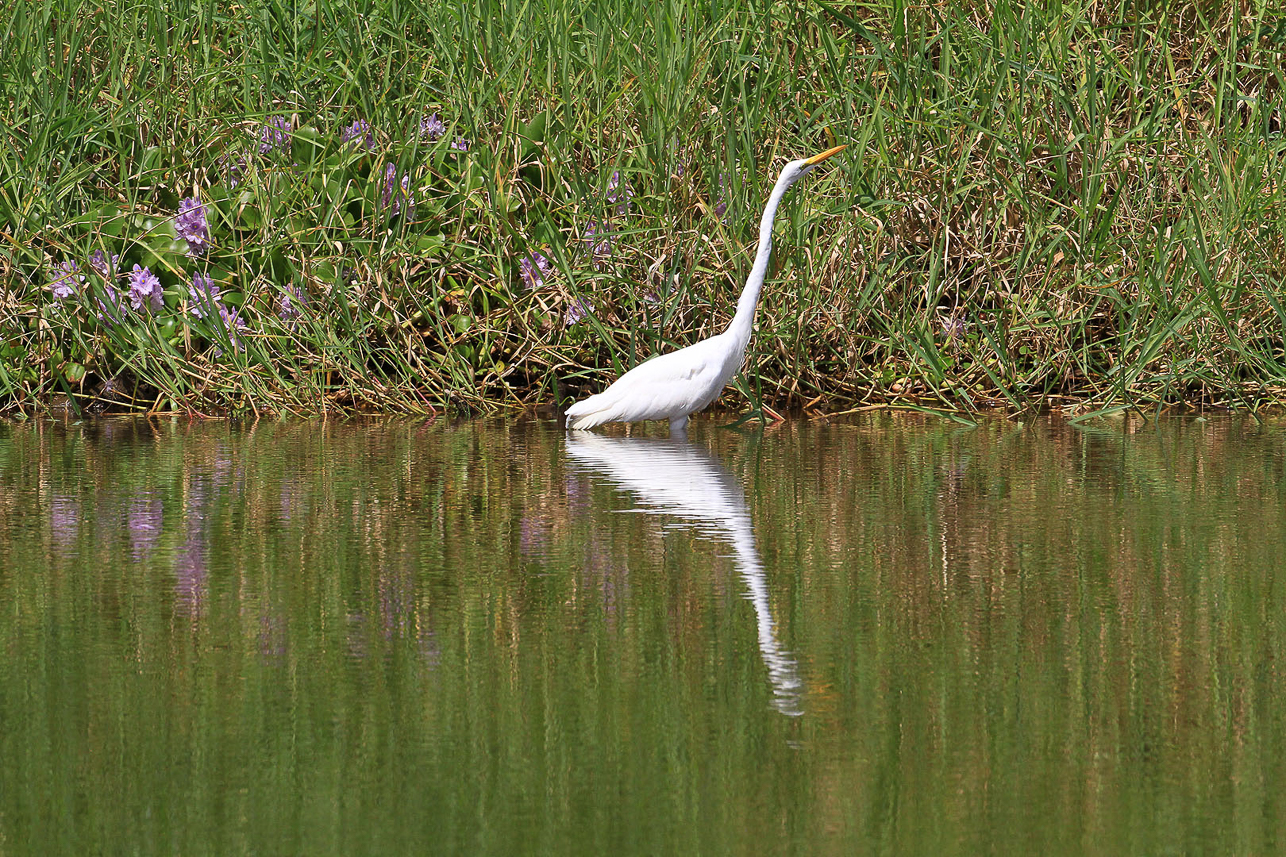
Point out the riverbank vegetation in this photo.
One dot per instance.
(378, 205)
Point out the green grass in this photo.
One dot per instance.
(1047, 205)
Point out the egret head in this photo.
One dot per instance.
(796, 170)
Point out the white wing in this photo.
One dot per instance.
(666, 387)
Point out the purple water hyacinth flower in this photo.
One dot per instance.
(577, 310)
(619, 192)
(290, 304)
(390, 185)
(396, 194)
(67, 280)
(721, 204)
(203, 295)
(110, 311)
(275, 134)
(460, 144)
(407, 197)
(144, 288)
(105, 267)
(190, 225)
(233, 168)
(359, 132)
(431, 127)
(533, 269)
(597, 242)
(953, 328)
(233, 324)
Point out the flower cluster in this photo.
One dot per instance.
(432, 127)
(396, 195)
(598, 243)
(533, 270)
(619, 194)
(190, 225)
(275, 134)
(104, 265)
(67, 280)
(359, 132)
(577, 310)
(290, 304)
(721, 204)
(119, 298)
(203, 295)
(145, 290)
(205, 301)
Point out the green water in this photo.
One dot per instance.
(896, 636)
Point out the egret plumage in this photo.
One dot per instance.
(675, 385)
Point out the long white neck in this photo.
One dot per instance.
(743, 322)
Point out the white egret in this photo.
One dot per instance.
(672, 386)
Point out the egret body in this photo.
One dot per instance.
(675, 385)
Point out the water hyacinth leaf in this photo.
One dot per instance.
(533, 138)
(151, 159)
(249, 214)
(430, 246)
(164, 254)
(74, 372)
(281, 269)
(310, 147)
(326, 271)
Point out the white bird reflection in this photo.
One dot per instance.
(675, 478)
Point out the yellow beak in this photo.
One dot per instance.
(817, 159)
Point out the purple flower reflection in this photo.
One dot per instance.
(533, 535)
(272, 637)
(397, 601)
(64, 520)
(577, 493)
(191, 571)
(144, 517)
(357, 647)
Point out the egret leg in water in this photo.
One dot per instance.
(675, 385)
